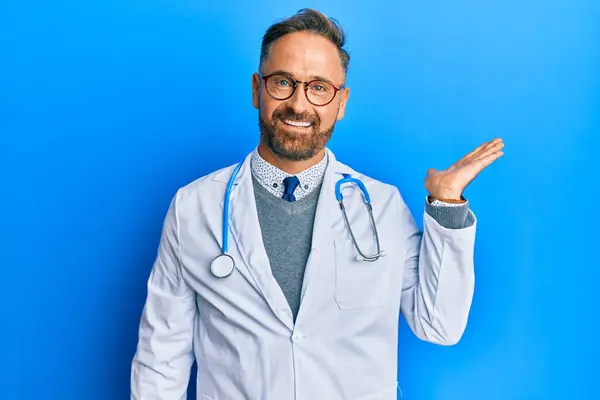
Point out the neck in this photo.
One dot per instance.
(289, 166)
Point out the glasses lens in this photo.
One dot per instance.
(280, 86)
(320, 93)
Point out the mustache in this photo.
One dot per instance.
(291, 115)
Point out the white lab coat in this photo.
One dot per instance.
(240, 330)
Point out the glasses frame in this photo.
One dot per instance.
(295, 85)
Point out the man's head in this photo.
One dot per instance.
(297, 119)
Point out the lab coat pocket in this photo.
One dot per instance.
(359, 284)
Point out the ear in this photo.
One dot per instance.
(255, 90)
(344, 94)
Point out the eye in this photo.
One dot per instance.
(320, 87)
(281, 81)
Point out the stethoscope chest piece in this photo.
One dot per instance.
(222, 266)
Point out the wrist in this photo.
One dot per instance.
(447, 198)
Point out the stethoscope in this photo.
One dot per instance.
(224, 265)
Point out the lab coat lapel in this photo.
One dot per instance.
(319, 275)
(245, 231)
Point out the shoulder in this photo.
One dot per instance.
(216, 178)
(204, 191)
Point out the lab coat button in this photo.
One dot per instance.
(297, 336)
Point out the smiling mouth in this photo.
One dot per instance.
(297, 124)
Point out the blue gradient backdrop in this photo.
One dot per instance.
(107, 107)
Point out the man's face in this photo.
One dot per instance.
(295, 129)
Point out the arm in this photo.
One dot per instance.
(164, 356)
(438, 278)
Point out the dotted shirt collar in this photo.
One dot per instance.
(271, 177)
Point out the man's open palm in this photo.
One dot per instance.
(450, 183)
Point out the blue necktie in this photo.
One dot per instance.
(289, 185)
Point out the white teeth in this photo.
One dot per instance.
(298, 124)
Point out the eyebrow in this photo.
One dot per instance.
(310, 78)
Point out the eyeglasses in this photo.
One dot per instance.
(282, 87)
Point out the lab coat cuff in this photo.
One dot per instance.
(453, 235)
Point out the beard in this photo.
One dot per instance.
(291, 145)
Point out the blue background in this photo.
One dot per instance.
(107, 107)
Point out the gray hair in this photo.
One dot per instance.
(307, 20)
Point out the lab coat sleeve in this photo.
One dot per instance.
(438, 277)
(164, 356)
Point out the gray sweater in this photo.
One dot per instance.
(287, 229)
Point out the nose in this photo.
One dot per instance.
(298, 102)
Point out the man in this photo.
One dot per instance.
(303, 315)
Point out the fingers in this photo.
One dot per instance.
(487, 160)
(483, 151)
(469, 155)
(491, 149)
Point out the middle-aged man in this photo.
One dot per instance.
(277, 291)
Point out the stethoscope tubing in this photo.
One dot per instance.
(338, 194)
